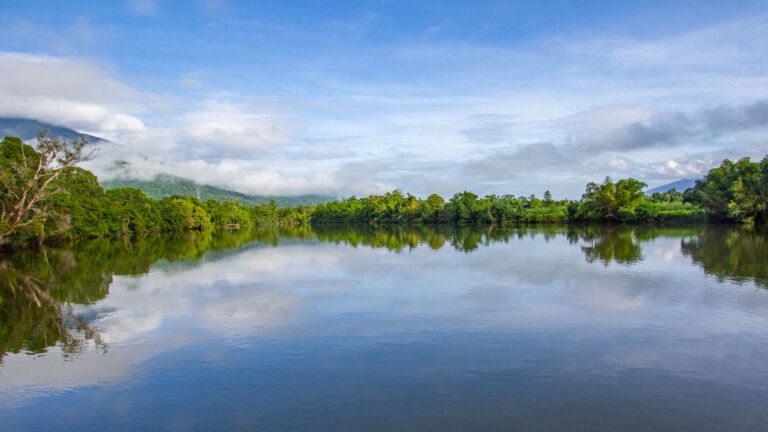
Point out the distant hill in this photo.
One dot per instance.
(680, 186)
(27, 129)
(162, 185)
(166, 185)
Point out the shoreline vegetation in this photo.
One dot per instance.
(70, 203)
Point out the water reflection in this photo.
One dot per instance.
(38, 288)
(286, 323)
(731, 253)
(37, 292)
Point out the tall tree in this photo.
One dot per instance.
(736, 191)
(27, 174)
(612, 200)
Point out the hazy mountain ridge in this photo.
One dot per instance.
(679, 185)
(167, 185)
(27, 129)
(162, 185)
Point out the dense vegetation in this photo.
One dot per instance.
(733, 192)
(621, 201)
(76, 206)
(89, 211)
(166, 185)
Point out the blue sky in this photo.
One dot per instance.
(364, 97)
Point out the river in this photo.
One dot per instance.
(549, 328)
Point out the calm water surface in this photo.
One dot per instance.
(529, 329)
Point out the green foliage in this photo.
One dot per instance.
(611, 200)
(131, 211)
(736, 192)
(621, 201)
(671, 195)
(646, 211)
(165, 185)
(81, 207)
(77, 206)
(74, 205)
(28, 177)
(463, 208)
(430, 210)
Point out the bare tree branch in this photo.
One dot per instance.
(27, 179)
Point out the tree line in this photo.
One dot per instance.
(734, 192)
(46, 195)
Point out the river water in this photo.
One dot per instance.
(347, 329)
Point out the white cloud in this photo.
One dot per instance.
(696, 165)
(67, 91)
(619, 164)
(693, 168)
(267, 291)
(447, 116)
(731, 45)
(222, 128)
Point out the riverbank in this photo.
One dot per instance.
(661, 223)
(73, 205)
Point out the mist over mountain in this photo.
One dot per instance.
(27, 129)
(116, 173)
(167, 185)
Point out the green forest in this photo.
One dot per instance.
(167, 185)
(734, 192)
(47, 196)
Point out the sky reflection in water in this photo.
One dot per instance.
(549, 328)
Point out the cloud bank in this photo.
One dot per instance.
(447, 115)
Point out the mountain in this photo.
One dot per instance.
(680, 186)
(27, 129)
(167, 185)
(160, 186)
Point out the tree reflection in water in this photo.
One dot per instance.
(731, 253)
(610, 245)
(41, 292)
(33, 316)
